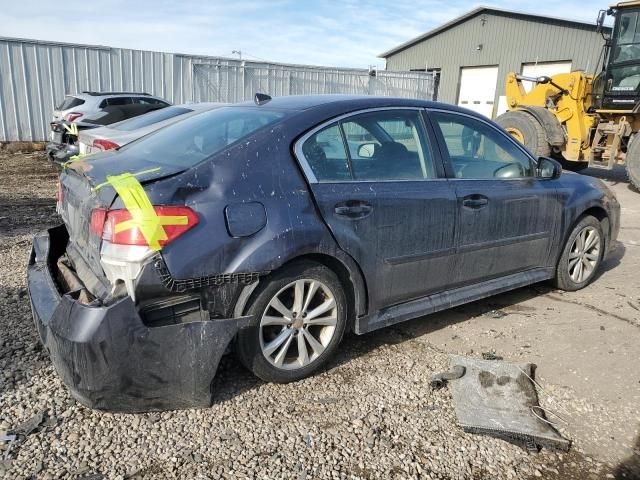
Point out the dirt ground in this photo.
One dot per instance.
(372, 414)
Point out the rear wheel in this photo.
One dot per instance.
(633, 162)
(581, 256)
(301, 315)
(527, 130)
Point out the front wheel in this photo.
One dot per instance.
(301, 314)
(581, 256)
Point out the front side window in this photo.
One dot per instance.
(627, 38)
(194, 139)
(382, 145)
(478, 151)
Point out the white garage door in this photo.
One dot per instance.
(478, 89)
(540, 69)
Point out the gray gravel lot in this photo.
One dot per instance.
(371, 414)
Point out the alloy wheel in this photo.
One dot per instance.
(584, 255)
(298, 324)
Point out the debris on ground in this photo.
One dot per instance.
(439, 380)
(499, 399)
(491, 356)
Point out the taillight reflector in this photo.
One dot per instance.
(103, 144)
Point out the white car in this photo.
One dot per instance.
(89, 106)
(118, 134)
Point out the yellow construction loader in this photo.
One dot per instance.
(581, 119)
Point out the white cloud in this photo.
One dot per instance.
(343, 33)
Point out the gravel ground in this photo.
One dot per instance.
(372, 414)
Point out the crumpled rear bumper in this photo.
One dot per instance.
(109, 359)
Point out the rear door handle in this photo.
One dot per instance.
(475, 201)
(353, 209)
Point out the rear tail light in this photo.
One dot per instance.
(71, 116)
(104, 223)
(98, 217)
(102, 144)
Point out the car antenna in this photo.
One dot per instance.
(261, 98)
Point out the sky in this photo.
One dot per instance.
(345, 33)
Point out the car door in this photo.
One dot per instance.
(383, 196)
(507, 217)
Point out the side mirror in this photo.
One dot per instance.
(366, 150)
(600, 21)
(548, 168)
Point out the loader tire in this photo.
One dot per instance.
(633, 162)
(527, 130)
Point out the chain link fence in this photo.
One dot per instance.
(235, 83)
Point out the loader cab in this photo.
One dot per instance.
(618, 86)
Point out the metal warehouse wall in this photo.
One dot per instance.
(506, 41)
(36, 75)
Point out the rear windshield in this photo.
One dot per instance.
(187, 143)
(151, 118)
(69, 102)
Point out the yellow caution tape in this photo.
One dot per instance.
(75, 158)
(143, 215)
(72, 130)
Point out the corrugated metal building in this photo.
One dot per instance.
(473, 53)
(35, 75)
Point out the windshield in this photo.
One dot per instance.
(627, 38)
(151, 118)
(196, 138)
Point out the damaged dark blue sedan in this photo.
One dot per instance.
(273, 227)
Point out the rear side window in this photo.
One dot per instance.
(151, 118)
(149, 101)
(70, 102)
(325, 154)
(376, 146)
(198, 137)
(116, 102)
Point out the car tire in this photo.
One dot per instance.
(319, 335)
(526, 129)
(581, 257)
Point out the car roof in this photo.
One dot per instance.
(98, 95)
(348, 103)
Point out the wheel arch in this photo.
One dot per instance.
(347, 271)
(597, 212)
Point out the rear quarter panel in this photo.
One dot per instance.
(259, 170)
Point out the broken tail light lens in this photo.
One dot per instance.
(71, 116)
(103, 144)
(104, 222)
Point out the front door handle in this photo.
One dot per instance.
(475, 201)
(353, 209)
